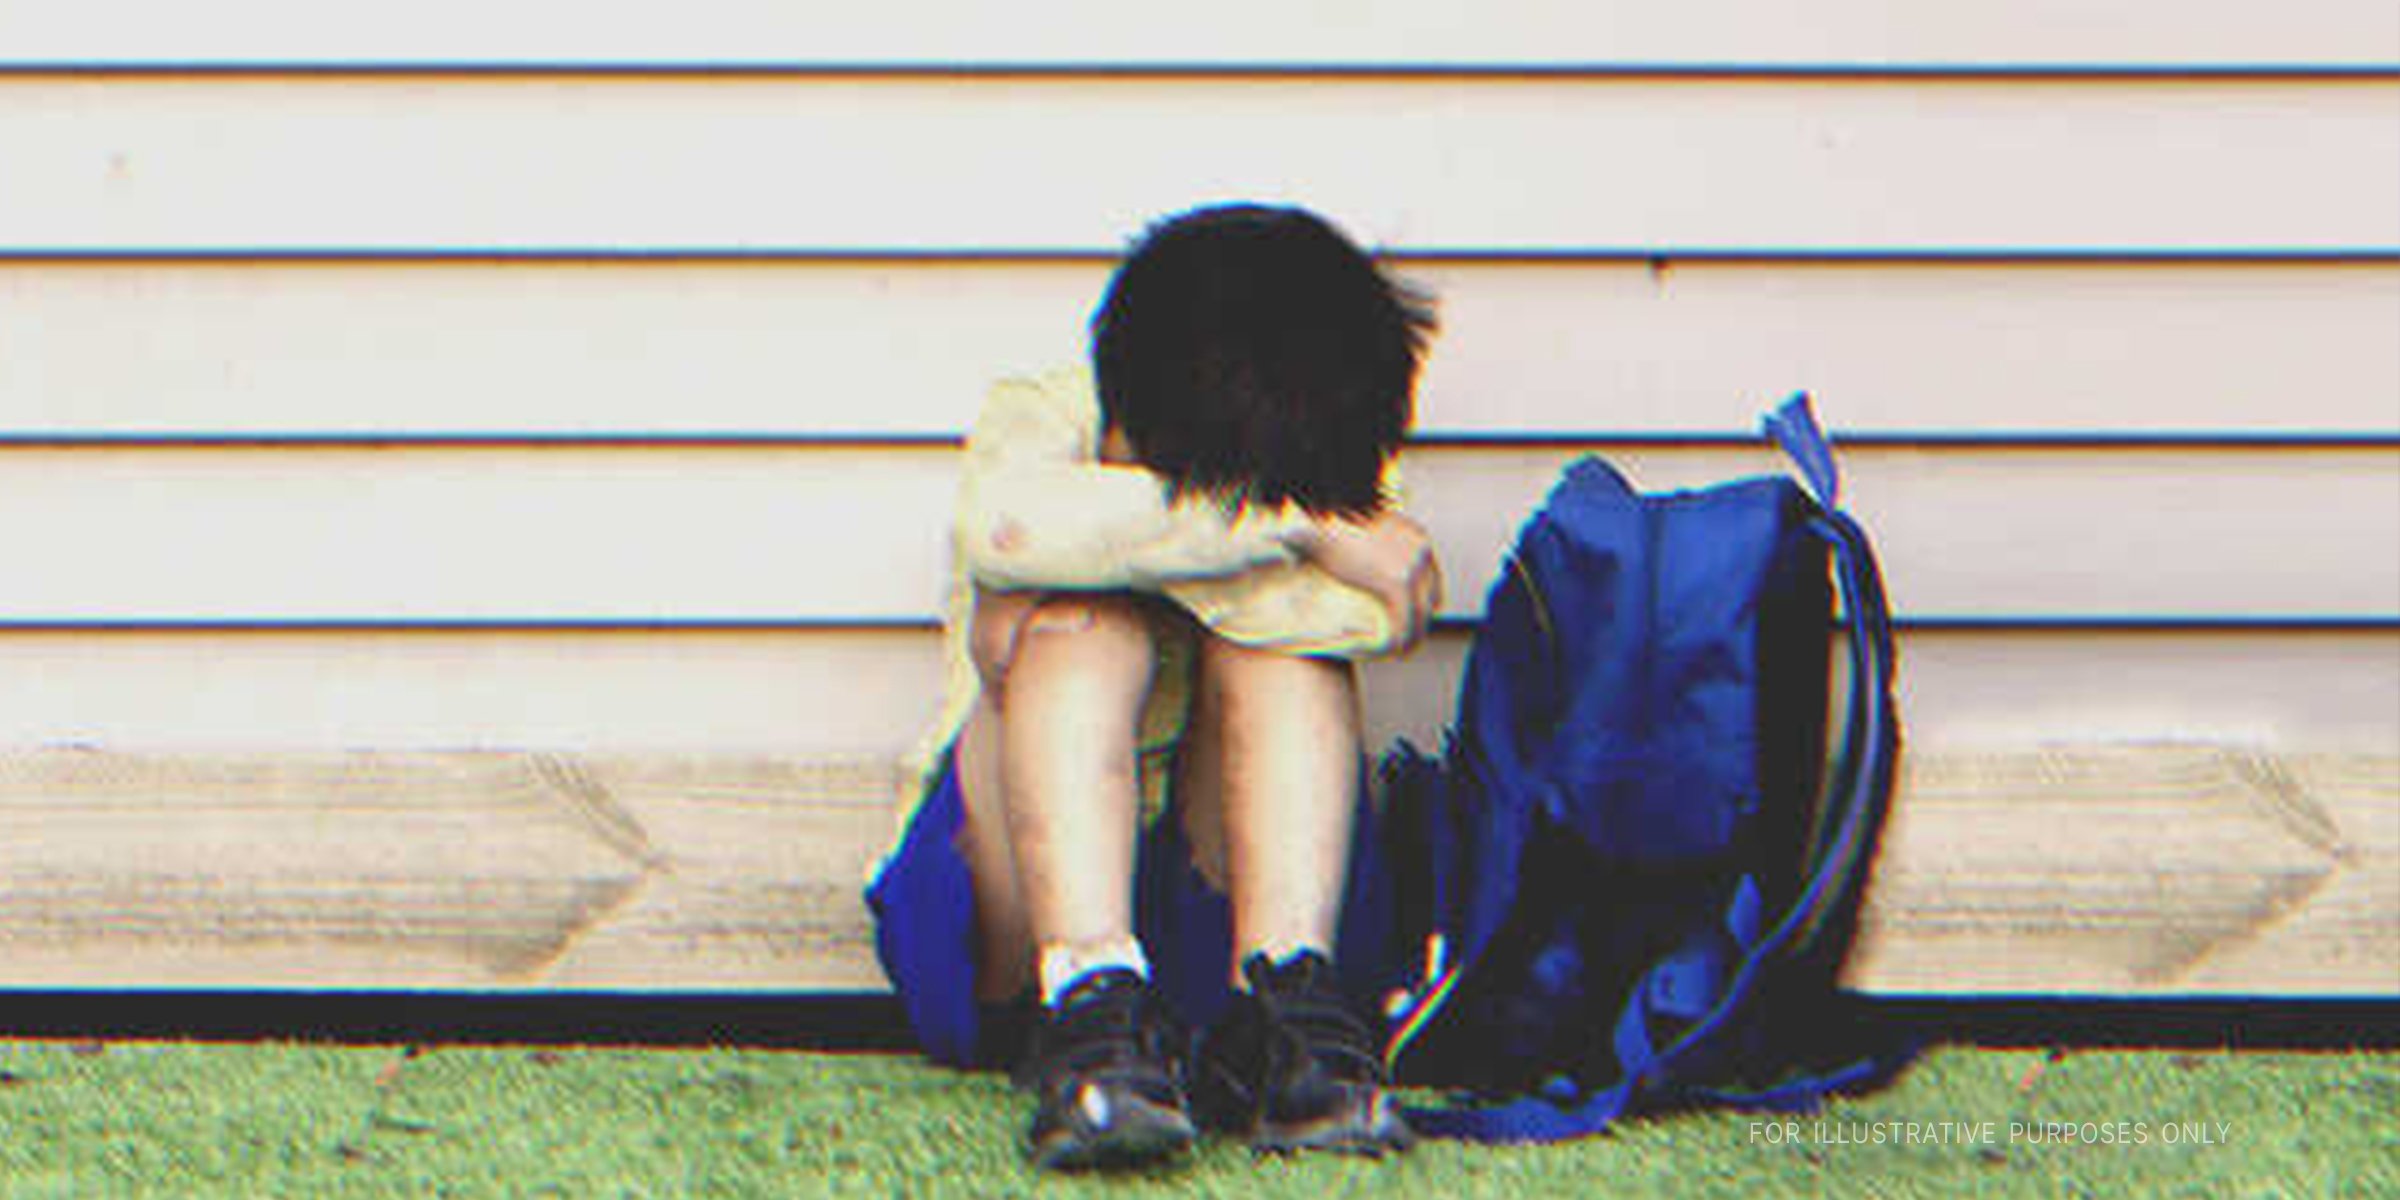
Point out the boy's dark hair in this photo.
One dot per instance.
(1254, 354)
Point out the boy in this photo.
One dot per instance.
(1168, 565)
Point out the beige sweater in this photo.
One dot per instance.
(1038, 509)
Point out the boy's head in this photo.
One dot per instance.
(1254, 354)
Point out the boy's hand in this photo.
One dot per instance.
(1389, 557)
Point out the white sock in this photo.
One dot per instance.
(1063, 964)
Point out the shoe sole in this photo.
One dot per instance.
(1371, 1129)
(1140, 1135)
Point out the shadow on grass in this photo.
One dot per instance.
(871, 1023)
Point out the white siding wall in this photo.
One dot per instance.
(585, 376)
(1831, 34)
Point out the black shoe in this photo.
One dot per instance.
(1293, 1067)
(1106, 1067)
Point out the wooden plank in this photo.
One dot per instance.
(813, 348)
(473, 871)
(715, 33)
(767, 858)
(2084, 870)
(872, 693)
(2138, 872)
(857, 163)
(745, 533)
(2345, 929)
(337, 870)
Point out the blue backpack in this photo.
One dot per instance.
(1633, 871)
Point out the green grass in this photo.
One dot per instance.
(139, 1120)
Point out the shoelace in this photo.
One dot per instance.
(1110, 1031)
(1313, 1021)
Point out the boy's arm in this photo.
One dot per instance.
(1295, 608)
(1037, 509)
(1363, 590)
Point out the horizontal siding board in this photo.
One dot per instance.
(1078, 164)
(872, 693)
(719, 32)
(2032, 533)
(883, 349)
(644, 535)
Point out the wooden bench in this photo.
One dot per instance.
(2124, 871)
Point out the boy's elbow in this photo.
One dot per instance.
(1006, 553)
(995, 542)
(992, 549)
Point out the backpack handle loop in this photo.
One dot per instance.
(1794, 427)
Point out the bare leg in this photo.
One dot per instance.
(1274, 742)
(1049, 776)
(1055, 743)
(1004, 942)
(1279, 741)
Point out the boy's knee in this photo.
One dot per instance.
(1100, 621)
(1230, 664)
(1100, 624)
(1244, 682)
(1005, 624)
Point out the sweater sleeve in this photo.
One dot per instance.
(1038, 509)
(1296, 607)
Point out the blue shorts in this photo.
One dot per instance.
(923, 903)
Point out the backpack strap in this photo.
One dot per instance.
(1684, 984)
